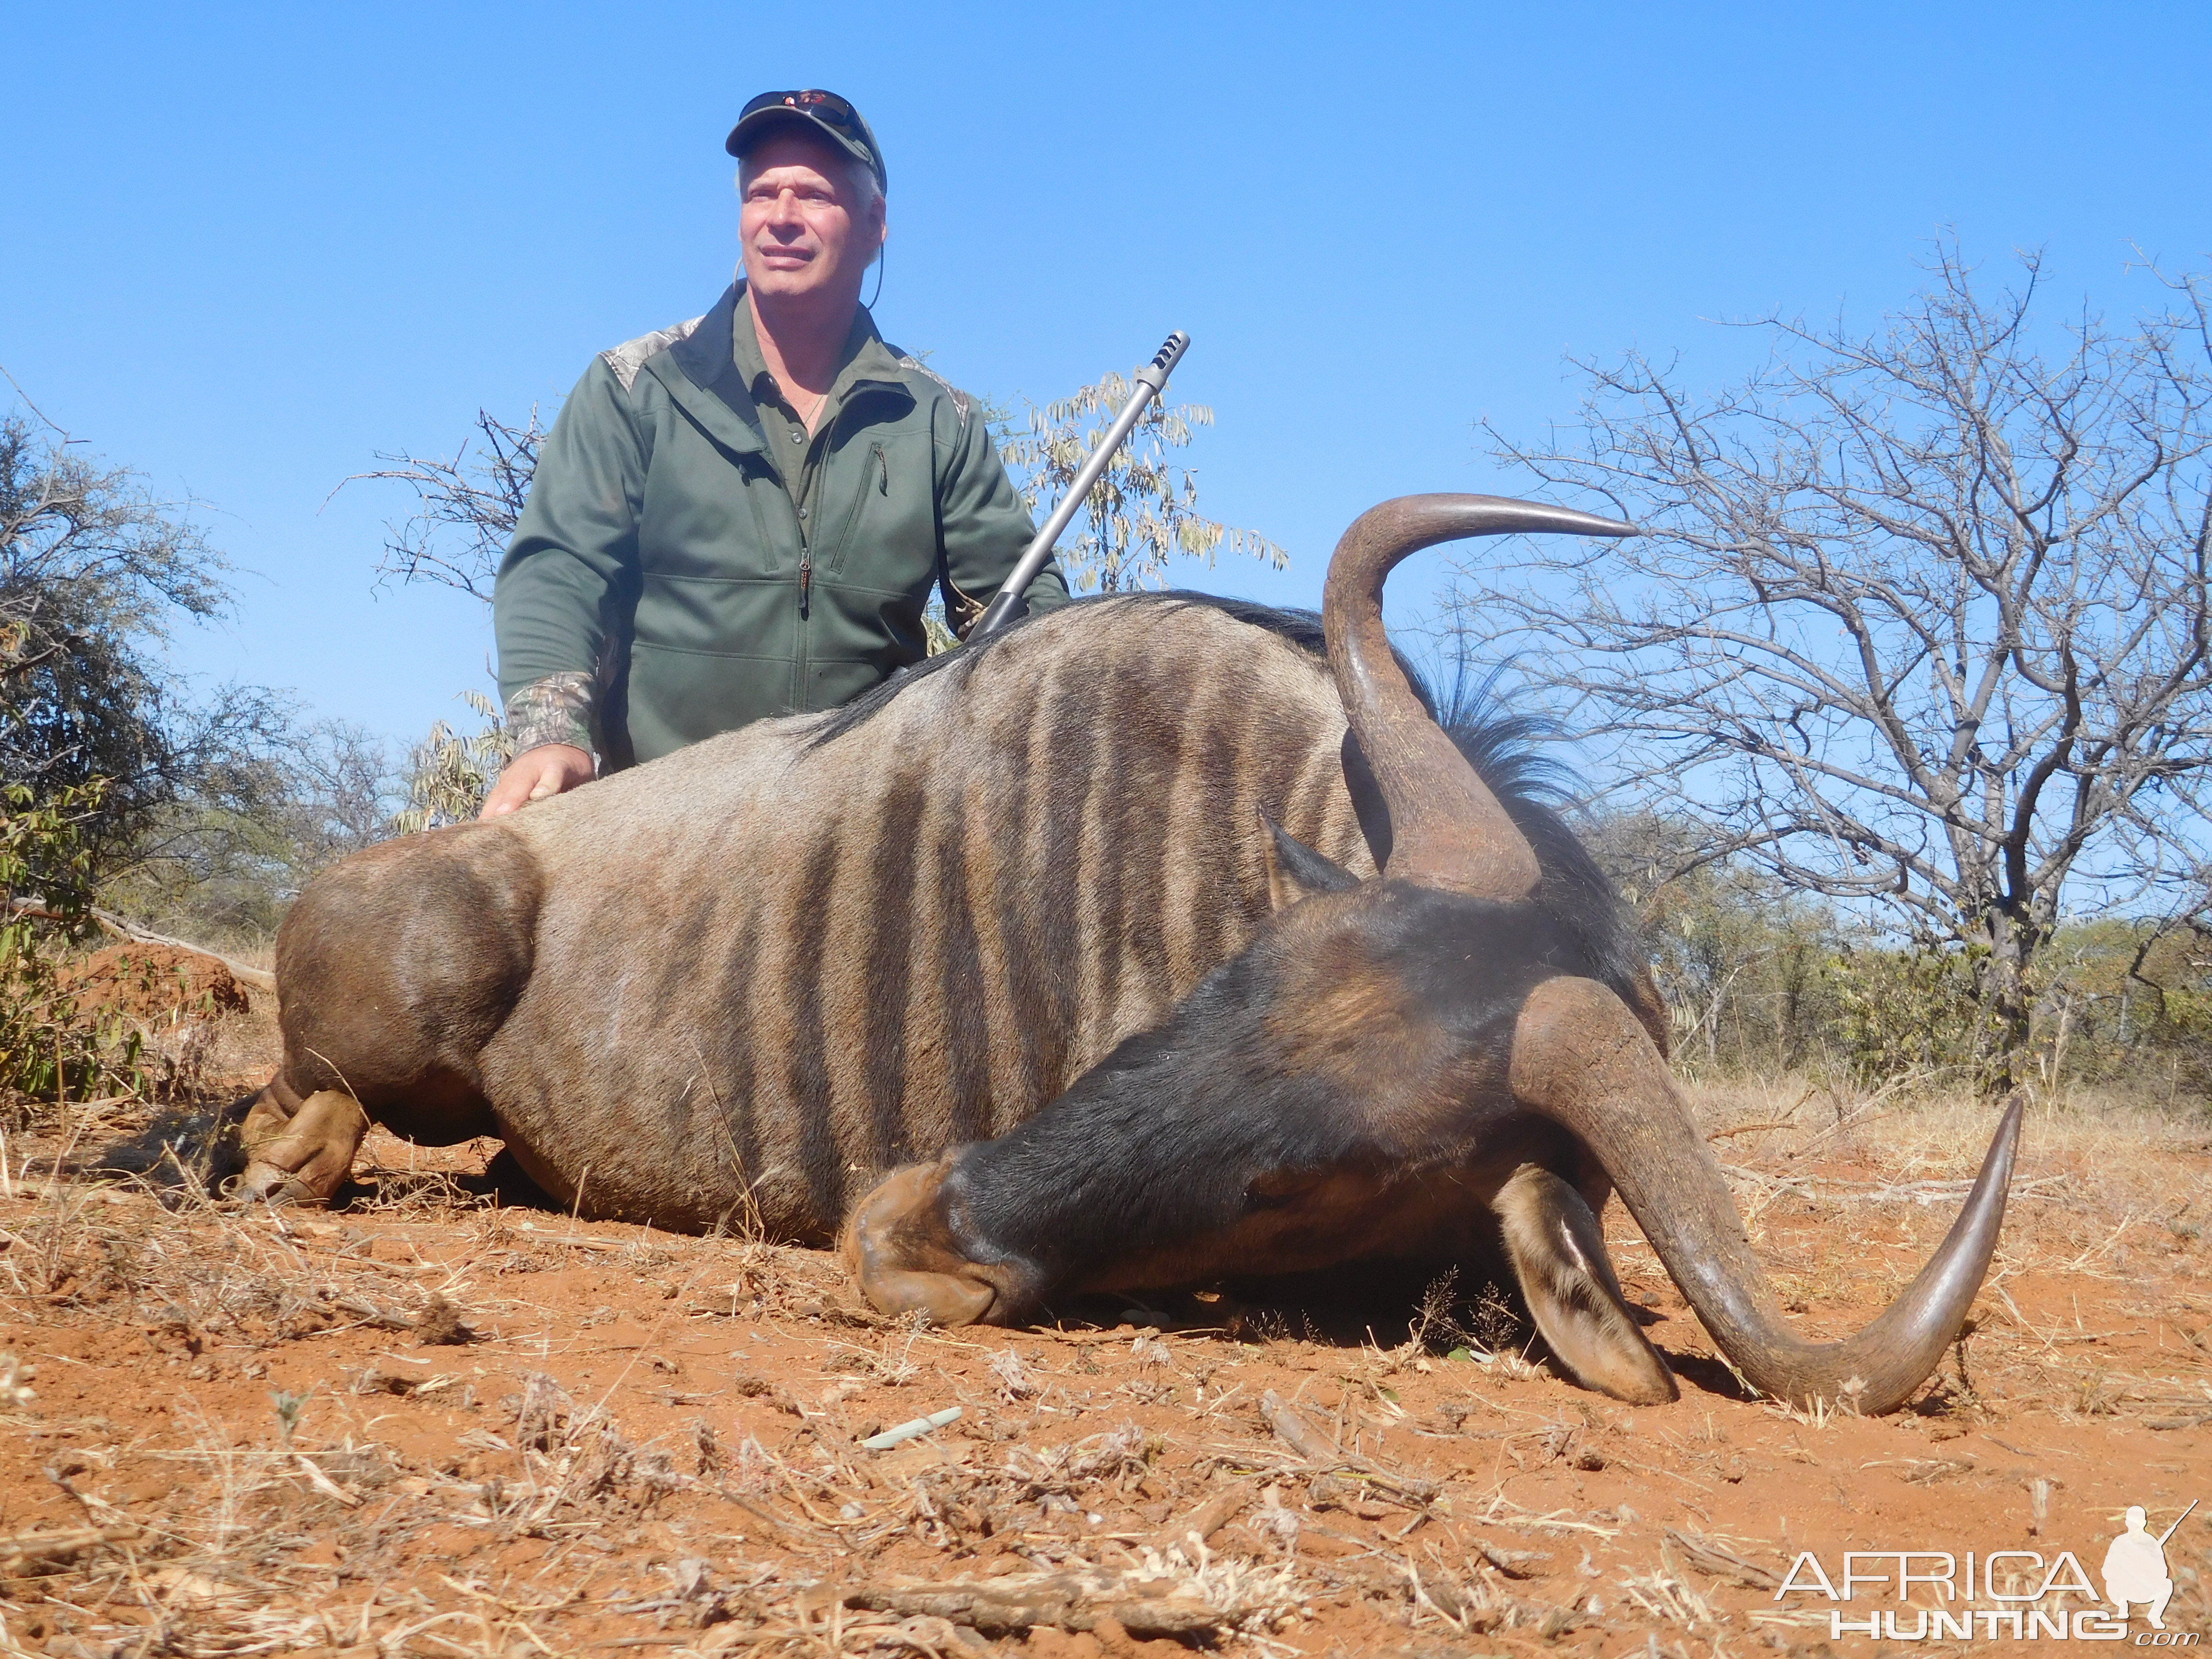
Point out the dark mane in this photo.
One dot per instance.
(1506, 750)
(1505, 747)
(1301, 628)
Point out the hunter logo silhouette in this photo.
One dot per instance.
(2135, 1567)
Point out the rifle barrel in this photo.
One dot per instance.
(1151, 379)
(2176, 1527)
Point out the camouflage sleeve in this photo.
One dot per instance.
(559, 708)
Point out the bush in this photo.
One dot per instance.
(448, 775)
(1917, 1012)
(51, 1047)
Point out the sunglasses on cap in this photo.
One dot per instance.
(826, 107)
(834, 116)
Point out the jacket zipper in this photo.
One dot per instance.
(807, 541)
(843, 544)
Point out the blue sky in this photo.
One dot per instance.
(246, 247)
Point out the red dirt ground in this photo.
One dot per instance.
(155, 982)
(423, 1424)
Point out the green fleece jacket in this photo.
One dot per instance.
(661, 585)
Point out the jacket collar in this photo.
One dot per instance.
(872, 363)
(706, 361)
(705, 358)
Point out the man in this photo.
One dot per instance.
(744, 515)
(2135, 1570)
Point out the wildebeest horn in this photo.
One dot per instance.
(1581, 1059)
(1447, 830)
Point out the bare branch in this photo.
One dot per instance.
(465, 507)
(1896, 585)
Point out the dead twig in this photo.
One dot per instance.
(1715, 1560)
(1208, 1518)
(27, 1550)
(1148, 1608)
(1308, 1443)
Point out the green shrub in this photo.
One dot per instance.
(51, 1047)
(1917, 1012)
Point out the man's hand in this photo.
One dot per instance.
(551, 768)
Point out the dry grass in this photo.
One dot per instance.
(2101, 1184)
(239, 1437)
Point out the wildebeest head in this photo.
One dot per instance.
(1452, 1055)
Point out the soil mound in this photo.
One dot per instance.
(154, 982)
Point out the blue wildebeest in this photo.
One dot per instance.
(1140, 947)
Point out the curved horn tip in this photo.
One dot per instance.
(1552, 517)
(1405, 524)
(2015, 1109)
(1953, 1277)
(2004, 1145)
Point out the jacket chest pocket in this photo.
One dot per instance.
(721, 516)
(888, 538)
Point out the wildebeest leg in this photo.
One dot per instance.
(1557, 1251)
(300, 1155)
(906, 1259)
(393, 970)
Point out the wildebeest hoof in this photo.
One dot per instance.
(303, 1157)
(903, 1253)
(264, 1183)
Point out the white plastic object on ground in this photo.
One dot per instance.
(904, 1432)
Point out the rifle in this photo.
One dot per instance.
(2176, 1527)
(1007, 605)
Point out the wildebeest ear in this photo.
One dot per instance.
(1295, 870)
(1558, 1252)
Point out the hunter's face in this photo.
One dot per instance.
(806, 228)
